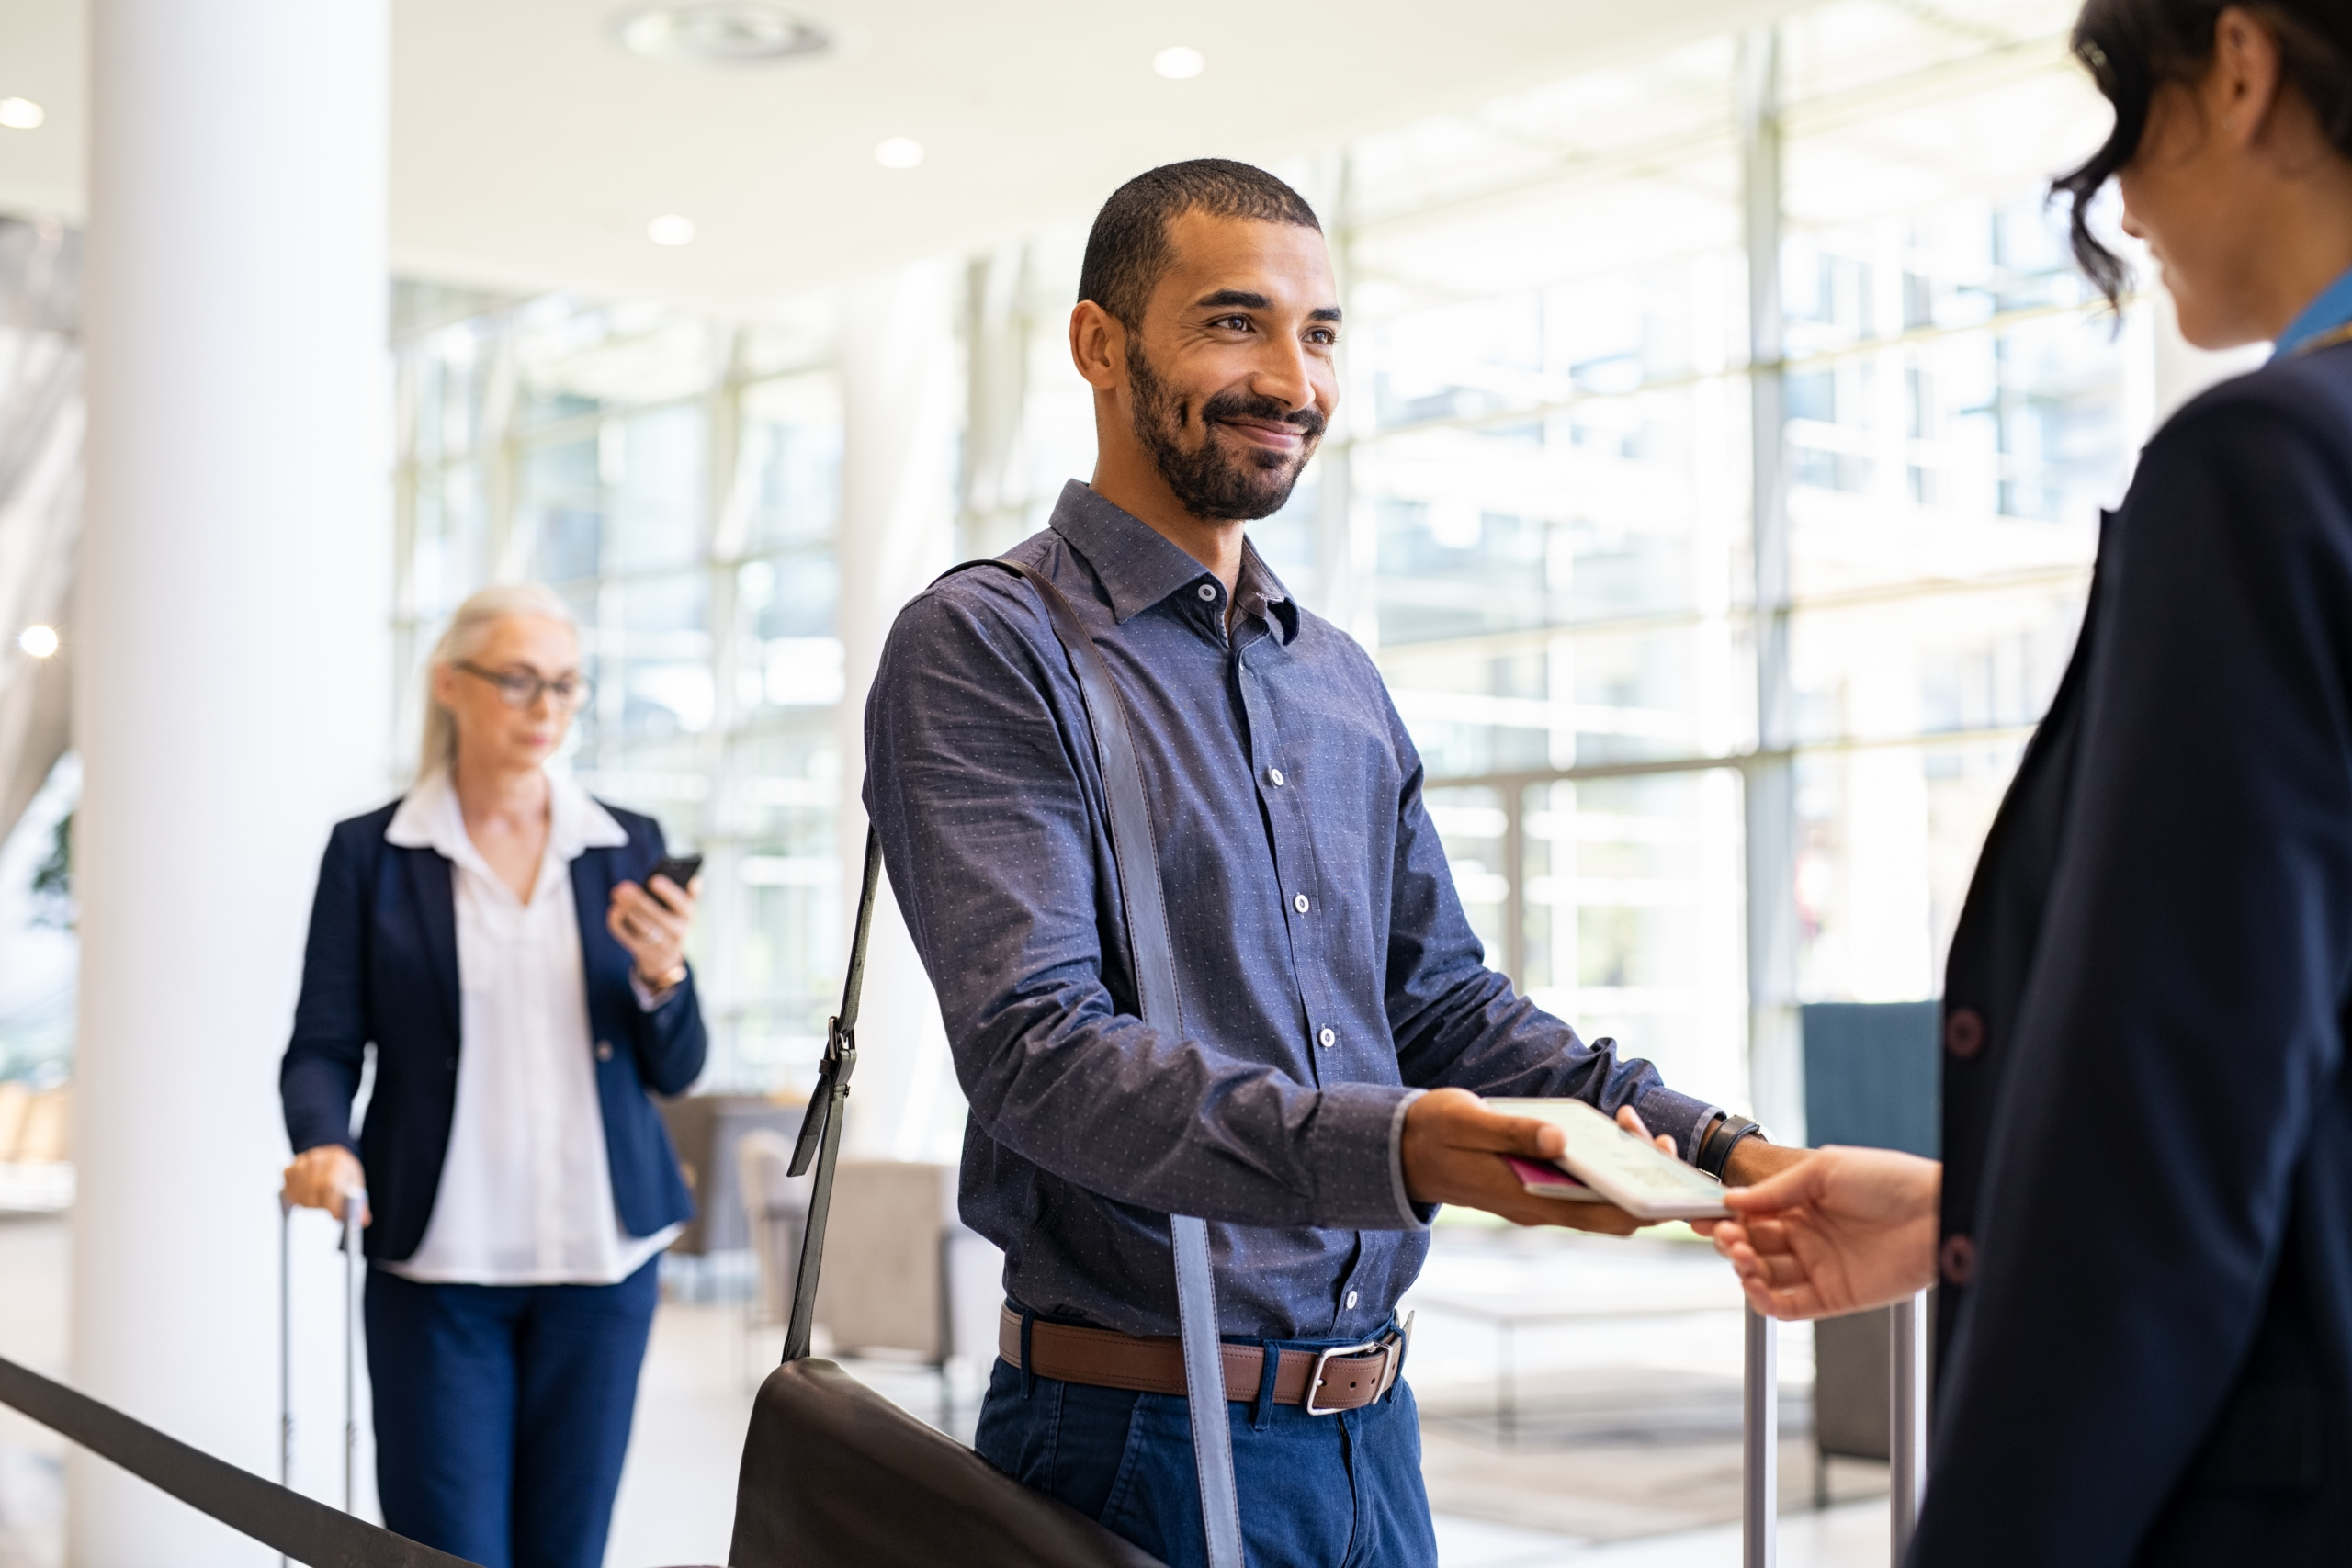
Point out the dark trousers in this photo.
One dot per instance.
(1340, 1491)
(503, 1413)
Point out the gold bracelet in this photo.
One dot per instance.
(671, 981)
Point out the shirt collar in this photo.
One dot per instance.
(428, 817)
(1262, 594)
(2332, 310)
(1138, 566)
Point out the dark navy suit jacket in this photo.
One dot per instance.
(2146, 1316)
(381, 968)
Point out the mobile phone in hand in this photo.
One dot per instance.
(679, 869)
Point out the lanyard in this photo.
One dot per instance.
(2320, 323)
(2325, 340)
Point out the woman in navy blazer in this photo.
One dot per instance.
(2143, 1224)
(493, 936)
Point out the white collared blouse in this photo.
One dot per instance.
(526, 1195)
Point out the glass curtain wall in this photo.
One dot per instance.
(1537, 509)
(1554, 466)
(677, 479)
(1554, 486)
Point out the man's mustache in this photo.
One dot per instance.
(1232, 405)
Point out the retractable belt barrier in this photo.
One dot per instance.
(1906, 1446)
(309, 1532)
(302, 1527)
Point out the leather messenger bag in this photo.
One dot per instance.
(833, 1473)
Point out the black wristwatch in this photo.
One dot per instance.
(1714, 1149)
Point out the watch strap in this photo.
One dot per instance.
(1714, 1149)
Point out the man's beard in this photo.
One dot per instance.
(1207, 482)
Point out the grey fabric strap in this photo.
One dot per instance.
(1204, 1386)
(1155, 971)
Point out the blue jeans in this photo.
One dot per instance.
(1340, 1491)
(503, 1413)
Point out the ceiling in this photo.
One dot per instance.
(529, 150)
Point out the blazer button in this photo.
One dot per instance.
(1958, 1259)
(604, 1050)
(1964, 1032)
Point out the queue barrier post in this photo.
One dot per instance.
(1906, 1446)
(1907, 1433)
(1761, 1442)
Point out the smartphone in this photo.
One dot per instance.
(1629, 1171)
(679, 869)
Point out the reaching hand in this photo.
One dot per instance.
(1454, 1150)
(1844, 1230)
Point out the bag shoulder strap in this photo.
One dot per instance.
(821, 1124)
(1137, 861)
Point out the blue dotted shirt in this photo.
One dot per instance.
(1326, 972)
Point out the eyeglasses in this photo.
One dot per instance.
(518, 689)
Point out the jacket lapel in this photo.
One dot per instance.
(437, 914)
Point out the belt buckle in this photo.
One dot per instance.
(1386, 1345)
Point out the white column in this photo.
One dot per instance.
(1775, 1035)
(230, 686)
(898, 531)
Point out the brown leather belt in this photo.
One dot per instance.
(1346, 1377)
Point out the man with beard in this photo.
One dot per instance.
(1339, 1019)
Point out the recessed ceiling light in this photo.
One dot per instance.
(1178, 64)
(21, 114)
(898, 152)
(670, 230)
(39, 641)
(719, 32)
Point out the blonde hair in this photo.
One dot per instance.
(468, 629)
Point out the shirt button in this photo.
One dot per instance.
(1957, 1258)
(1208, 592)
(1274, 777)
(1299, 903)
(604, 1050)
(1964, 1032)
(1330, 1036)
(1352, 1295)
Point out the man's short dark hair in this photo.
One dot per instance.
(1128, 248)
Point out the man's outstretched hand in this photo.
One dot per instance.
(1841, 1231)
(1454, 1150)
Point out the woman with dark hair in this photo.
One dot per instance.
(2143, 1225)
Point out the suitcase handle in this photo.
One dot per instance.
(354, 1263)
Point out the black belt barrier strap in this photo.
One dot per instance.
(302, 1527)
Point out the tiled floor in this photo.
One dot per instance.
(1625, 1455)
